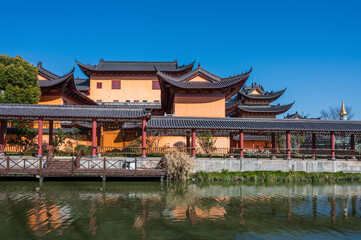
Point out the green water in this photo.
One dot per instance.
(154, 210)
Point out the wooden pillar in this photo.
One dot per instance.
(231, 146)
(332, 138)
(193, 143)
(241, 144)
(40, 137)
(352, 145)
(2, 136)
(144, 138)
(51, 126)
(273, 143)
(94, 137)
(288, 144)
(314, 145)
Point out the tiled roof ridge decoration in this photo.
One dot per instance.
(214, 80)
(253, 124)
(251, 88)
(131, 66)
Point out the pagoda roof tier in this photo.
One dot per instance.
(276, 109)
(270, 96)
(253, 124)
(134, 66)
(83, 84)
(46, 73)
(229, 85)
(66, 84)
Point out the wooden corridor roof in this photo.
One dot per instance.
(69, 112)
(254, 124)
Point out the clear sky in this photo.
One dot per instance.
(311, 47)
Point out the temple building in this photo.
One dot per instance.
(254, 102)
(164, 89)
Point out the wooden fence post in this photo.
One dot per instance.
(7, 165)
(72, 166)
(104, 166)
(40, 165)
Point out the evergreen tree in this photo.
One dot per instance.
(18, 81)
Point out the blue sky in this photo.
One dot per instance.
(311, 47)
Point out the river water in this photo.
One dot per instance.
(154, 210)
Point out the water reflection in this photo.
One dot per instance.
(148, 210)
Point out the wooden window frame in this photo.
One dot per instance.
(99, 85)
(116, 81)
(155, 85)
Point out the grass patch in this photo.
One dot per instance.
(275, 176)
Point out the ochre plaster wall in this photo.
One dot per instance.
(198, 79)
(199, 105)
(51, 100)
(132, 88)
(41, 77)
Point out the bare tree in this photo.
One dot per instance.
(333, 113)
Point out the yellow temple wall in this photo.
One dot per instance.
(50, 100)
(41, 77)
(199, 105)
(132, 88)
(198, 79)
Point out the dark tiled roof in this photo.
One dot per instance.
(272, 96)
(54, 82)
(82, 84)
(253, 124)
(298, 116)
(265, 108)
(129, 66)
(214, 82)
(66, 112)
(46, 73)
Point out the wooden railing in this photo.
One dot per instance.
(95, 167)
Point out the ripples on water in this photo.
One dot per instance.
(153, 210)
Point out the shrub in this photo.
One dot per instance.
(180, 165)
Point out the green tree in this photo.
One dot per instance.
(59, 138)
(24, 133)
(18, 81)
(206, 142)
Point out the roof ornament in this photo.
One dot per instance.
(199, 65)
(343, 113)
(40, 64)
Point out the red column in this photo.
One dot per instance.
(2, 136)
(51, 126)
(288, 144)
(273, 142)
(352, 145)
(99, 133)
(40, 137)
(241, 144)
(193, 143)
(231, 144)
(333, 155)
(314, 145)
(94, 137)
(188, 140)
(144, 138)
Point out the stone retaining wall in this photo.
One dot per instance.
(237, 165)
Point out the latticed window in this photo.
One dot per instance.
(115, 84)
(99, 85)
(155, 85)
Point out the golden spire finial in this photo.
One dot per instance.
(343, 110)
